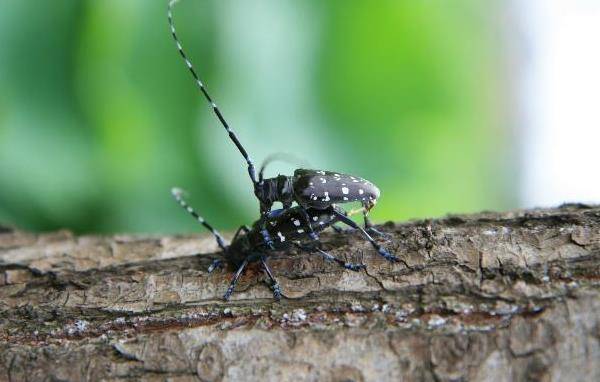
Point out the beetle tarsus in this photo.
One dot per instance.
(227, 294)
(274, 284)
(276, 291)
(354, 267)
(391, 258)
(218, 263)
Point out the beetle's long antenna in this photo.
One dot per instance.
(232, 136)
(178, 195)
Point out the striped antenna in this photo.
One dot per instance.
(232, 136)
(178, 195)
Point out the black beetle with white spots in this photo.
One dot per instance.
(316, 194)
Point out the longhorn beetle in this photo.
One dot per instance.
(288, 228)
(315, 189)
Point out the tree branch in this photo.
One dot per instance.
(511, 296)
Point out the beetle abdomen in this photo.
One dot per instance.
(320, 189)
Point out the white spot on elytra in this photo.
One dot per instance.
(326, 198)
(300, 231)
(321, 172)
(361, 191)
(345, 190)
(345, 198)
(281, 237)
(323, 180)
(296, 222)
(315, 218)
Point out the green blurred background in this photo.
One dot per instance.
(99, 116)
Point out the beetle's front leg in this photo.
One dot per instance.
(267, 240)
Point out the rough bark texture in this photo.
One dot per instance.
(497, 297)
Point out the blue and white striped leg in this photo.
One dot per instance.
(382, 251)
(234, 280)
(178, 195)
(217, 263)
(274, 284)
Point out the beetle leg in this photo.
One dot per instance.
(337, 229)
(274, 284)
(382, 251)
(310, 232)
(370, 228)
(234, 280)
(245, 229)
(267, 240)
(329, 257)
(214, 265)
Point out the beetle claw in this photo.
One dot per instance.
(276, 292)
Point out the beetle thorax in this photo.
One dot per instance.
(278, 189)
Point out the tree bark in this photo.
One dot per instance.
(487, 297)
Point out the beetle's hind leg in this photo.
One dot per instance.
(329, 257)
(382, 251)
(274, 284)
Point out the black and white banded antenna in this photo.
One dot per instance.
(178, 195)
(232, 136)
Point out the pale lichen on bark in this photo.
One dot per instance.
(491, 296)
